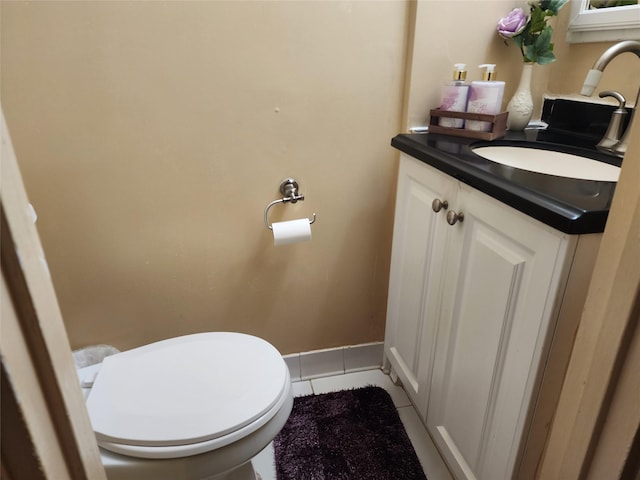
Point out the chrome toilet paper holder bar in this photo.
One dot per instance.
(289, 190)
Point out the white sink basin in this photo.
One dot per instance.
(550, 162)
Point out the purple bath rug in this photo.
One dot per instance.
(346, 435)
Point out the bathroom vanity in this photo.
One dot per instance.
(489, 271)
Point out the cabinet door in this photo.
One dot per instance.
(419, 242)
(502, 272)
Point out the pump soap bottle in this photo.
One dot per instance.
(454, 97)
(484, 97)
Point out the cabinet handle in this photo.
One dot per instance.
(438, 205)
(453, 217)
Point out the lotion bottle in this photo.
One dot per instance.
(454, 97)
(484, 97)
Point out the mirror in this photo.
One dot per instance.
(603, 21)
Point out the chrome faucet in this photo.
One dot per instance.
(593, 78)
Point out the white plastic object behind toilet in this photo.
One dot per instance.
(189, 397)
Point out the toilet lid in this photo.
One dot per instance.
(185, 390)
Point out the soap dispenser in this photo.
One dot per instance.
(484, 97)
(454, 97)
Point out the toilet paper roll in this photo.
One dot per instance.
(293, 231)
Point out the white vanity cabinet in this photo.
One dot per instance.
(471, 314)
(416, 276)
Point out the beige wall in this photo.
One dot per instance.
(151, 135)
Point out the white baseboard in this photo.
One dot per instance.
(334, 361)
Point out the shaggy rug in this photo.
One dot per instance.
(350, 434)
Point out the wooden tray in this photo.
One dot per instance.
(498, 124)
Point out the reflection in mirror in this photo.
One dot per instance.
(603, 21)
(610, 3)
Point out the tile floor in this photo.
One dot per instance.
(431, 461)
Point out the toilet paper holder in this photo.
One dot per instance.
(289, 190)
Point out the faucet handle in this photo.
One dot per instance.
(617, 95)
(611, 139)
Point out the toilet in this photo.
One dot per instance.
(195, 407)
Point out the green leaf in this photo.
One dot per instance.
(546, 58)
(555, 5)
(544, 39)
(537, 20)
(517, 41)
(529, 53)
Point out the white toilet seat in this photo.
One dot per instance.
(187, 395)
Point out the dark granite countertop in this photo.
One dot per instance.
(570, 205)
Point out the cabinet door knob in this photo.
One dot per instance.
(454, 217)
(438, 205)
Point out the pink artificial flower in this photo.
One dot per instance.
(513, 24)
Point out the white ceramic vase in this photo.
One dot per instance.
(520, 107)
